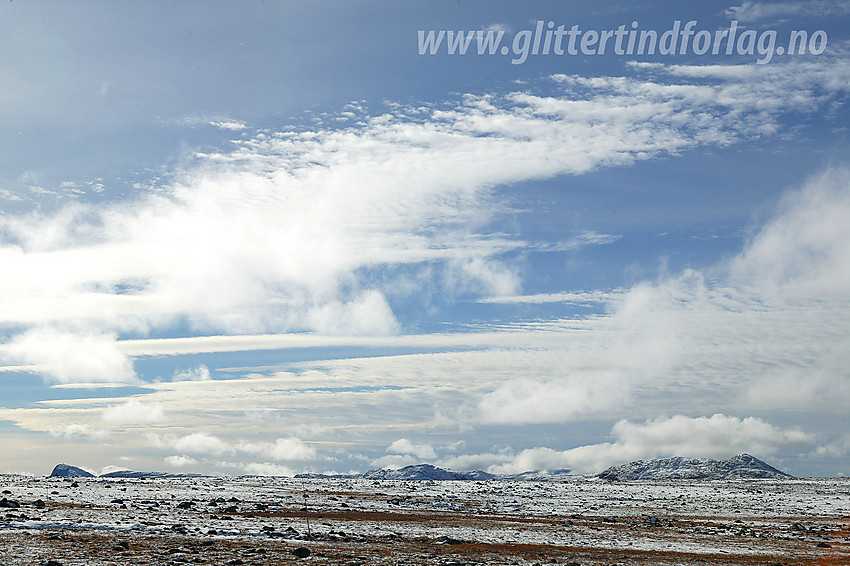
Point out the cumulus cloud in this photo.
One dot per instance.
(66, 357)
(289, 449)
(526, 401)
(195, 443)
(405, 446)
(198, 373)
(134, 412)
(180, 461)
(80, 431)
(801, 251)
(282, 449)
(718, 436)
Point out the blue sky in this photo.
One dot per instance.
(274, 238)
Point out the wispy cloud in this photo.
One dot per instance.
(134, 412)
(756, 11)
(276, 235)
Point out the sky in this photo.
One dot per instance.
(284, 237)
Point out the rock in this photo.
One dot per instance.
(301, 552)
(38, 504)
(824, 545)
(654, 521)
(6, 503)
(51, 563)
(185, 505)
(66, 471)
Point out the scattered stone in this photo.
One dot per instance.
(824, 545)
(8, 504)
(654, 521)
(568, 523)
(38, 504)
(51, 563)
(301, 552)
(609, 520)
(185, 505)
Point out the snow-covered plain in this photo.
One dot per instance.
(261, 520)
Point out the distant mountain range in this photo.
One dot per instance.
(427, 472)
(742, 466)
(68, 471)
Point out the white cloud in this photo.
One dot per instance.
(801, 252)
(750, 11)
(180, 461)
(198, 373)
(195, 443)
(267, 469)
(80, 431)
(67, 357)
(525, 401)
(235, 125)
(281, 234)
(718, 436)
(282, 449)
(368, 314)
(134, 412)
(542, 298)
(405, 446)
(289, 449)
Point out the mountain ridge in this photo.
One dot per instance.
(742, 466)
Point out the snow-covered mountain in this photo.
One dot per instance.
(742, 466)
(679, 468)
(425, 472)
(68, 471)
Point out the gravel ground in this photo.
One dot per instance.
(264, 521)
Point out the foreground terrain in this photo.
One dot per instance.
(264, 521)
